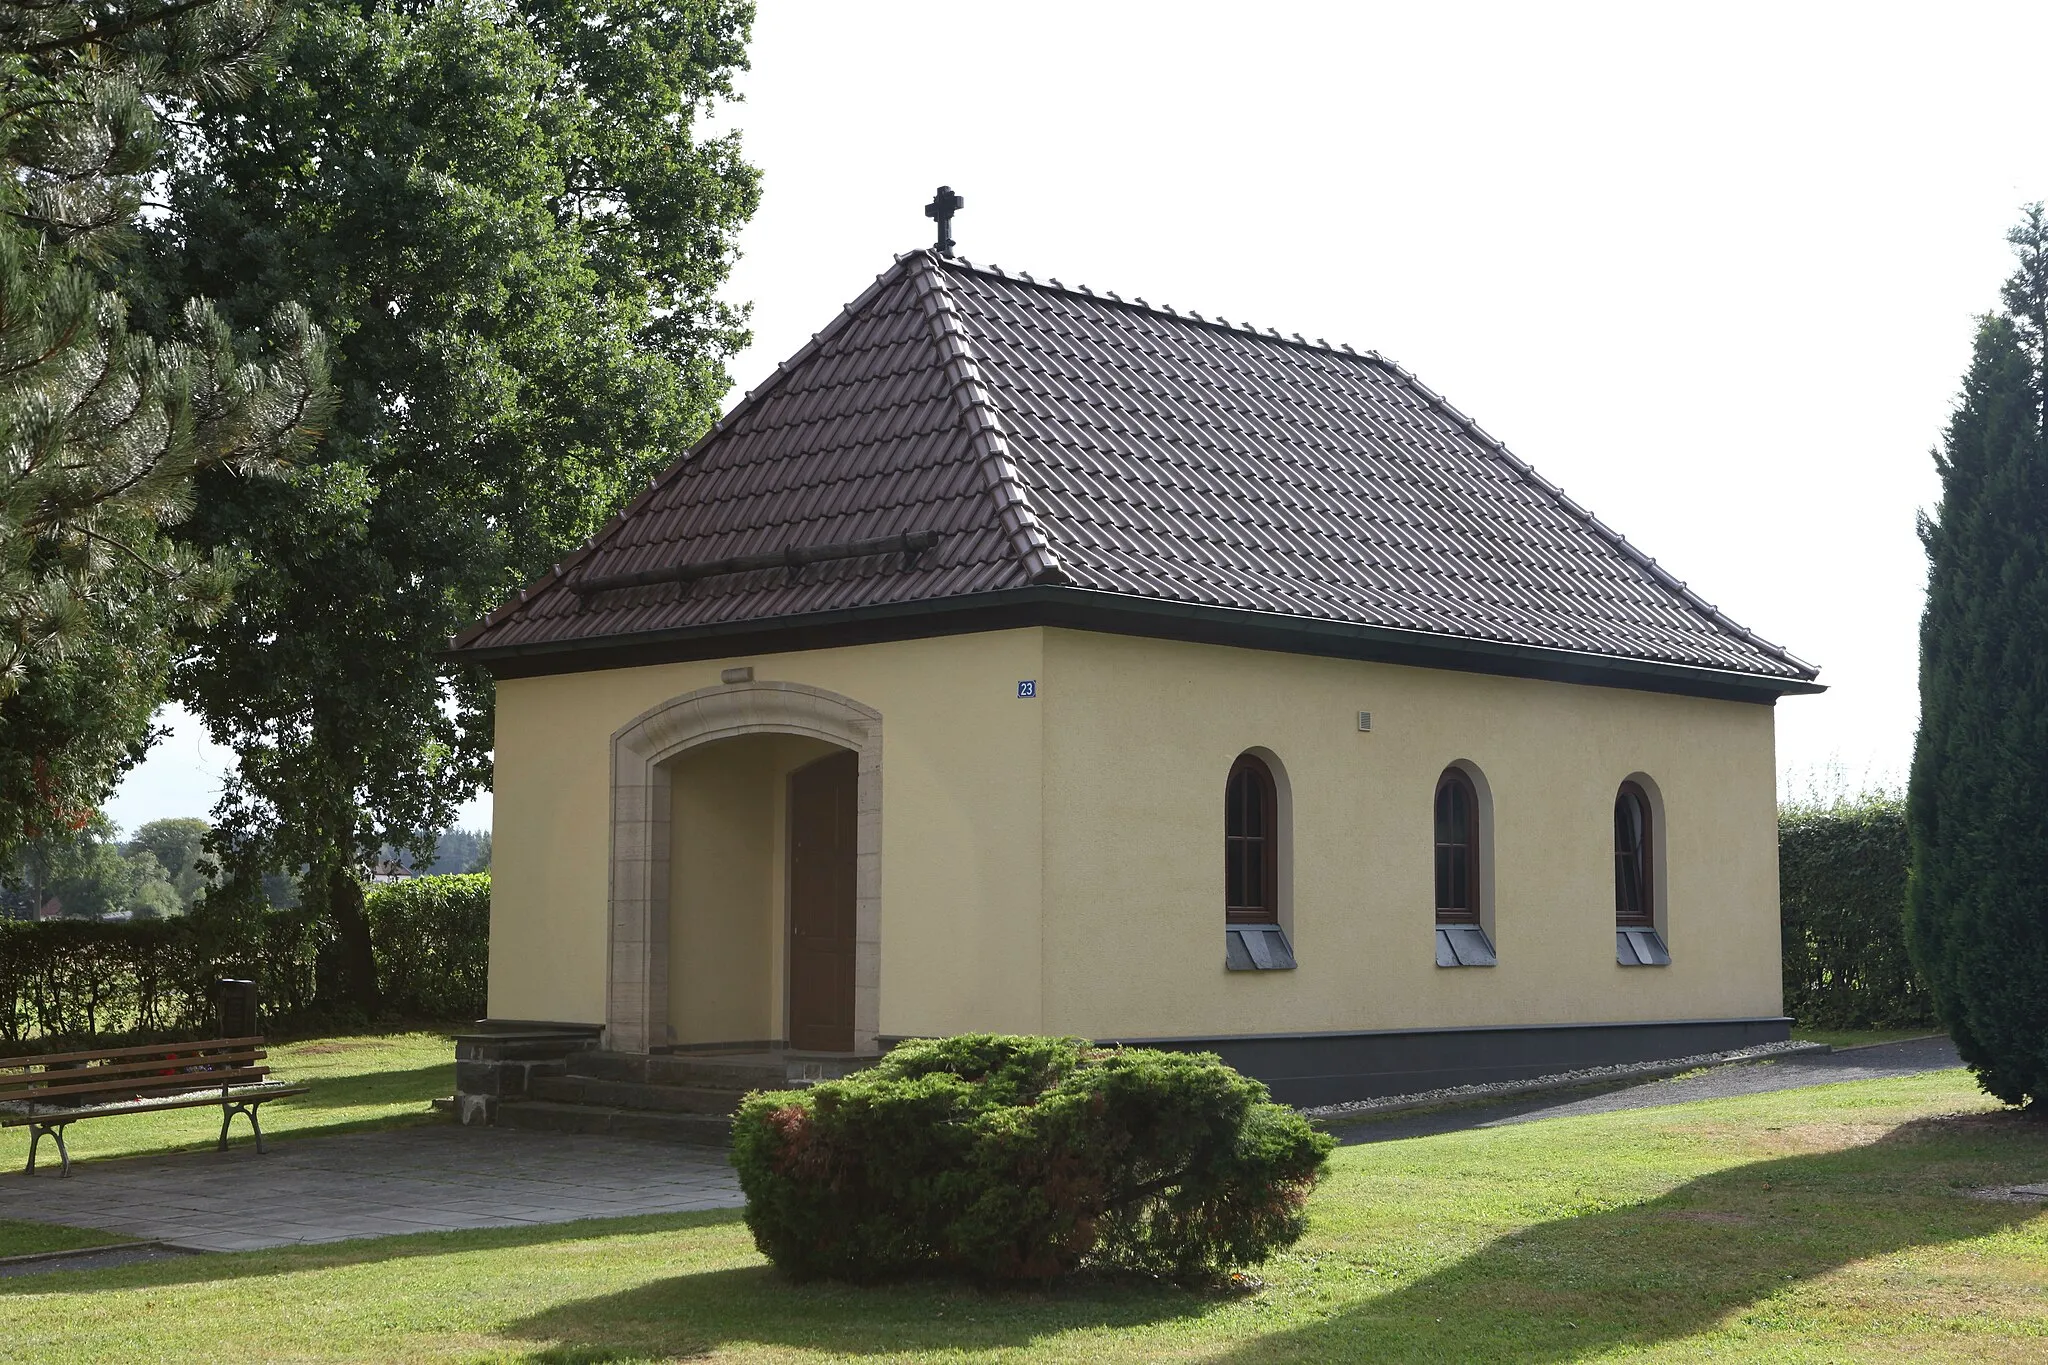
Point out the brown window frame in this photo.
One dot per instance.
(1646, 861)
(1468, 913)
(1253, 769)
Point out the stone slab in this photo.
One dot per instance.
(329, 1189)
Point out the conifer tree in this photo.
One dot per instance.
(102, 428)
(1977, 908)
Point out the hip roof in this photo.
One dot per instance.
(962, 435)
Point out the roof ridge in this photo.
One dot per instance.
(753, 397)
(999, 472)
(1161, 310)
(1662, 576)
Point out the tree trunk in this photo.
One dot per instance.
(355, 975)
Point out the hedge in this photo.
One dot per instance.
(1022, 1158)
(75, 981)
(1842, 897)
(96, 980)
(431, 938)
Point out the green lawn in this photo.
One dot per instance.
(357, 1083)
(19, 1238)
(1864, 1037)
(1829, 1224)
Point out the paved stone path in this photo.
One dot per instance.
(1910, 1058)
(327, 1189)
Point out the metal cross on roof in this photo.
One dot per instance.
(943, 206)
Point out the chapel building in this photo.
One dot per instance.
(1027, 659)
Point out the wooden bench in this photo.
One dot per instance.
(49, 1092)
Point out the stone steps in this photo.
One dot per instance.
(609, 1094)
(696, 1130)
(670, 1097)
(708, 1073)
(714, 1071)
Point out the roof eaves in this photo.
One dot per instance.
(1123, 613)
(999, 472)
(753, 397)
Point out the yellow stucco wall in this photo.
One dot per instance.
(1140, 735)
(960, 828)
(1055, 864)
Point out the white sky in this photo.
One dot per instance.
(1711, 268)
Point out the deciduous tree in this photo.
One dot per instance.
(178, 844)
(509, 219)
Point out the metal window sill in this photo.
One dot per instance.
(1256, 948)
(1464, 945)
(1640, 948)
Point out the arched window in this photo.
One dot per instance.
(1457, 849)
(1251, 844)
(1635, 904)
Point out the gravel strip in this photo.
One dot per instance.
(1561, 1080)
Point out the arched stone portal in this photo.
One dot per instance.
(636, 1002)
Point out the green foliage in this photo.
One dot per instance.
(84, 980)
(103, 428)
(508, 219)
(452, 851)
(179, 847)
(1977, 916)
(79, 718)
(92, 876)
(432, 936)
(78, 981)
(1842, 894)
(1007, 1158)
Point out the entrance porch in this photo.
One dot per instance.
(746, 874)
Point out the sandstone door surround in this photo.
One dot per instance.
(636, 998)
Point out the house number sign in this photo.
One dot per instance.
(1027, 687)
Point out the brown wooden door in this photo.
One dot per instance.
(822, 800)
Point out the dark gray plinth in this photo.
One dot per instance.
(499, 1059)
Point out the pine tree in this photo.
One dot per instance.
(1977, 909)
(102, 429)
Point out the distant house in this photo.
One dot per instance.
(385, 871)
(1024, 658)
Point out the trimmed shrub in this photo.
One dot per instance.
(99, 981)
(1842, 894)
(431, 937)
(94, 980)
(1022, 1158)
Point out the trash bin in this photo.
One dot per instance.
(237, 1001)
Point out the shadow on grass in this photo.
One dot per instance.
(227, 1267)
(421, 1083)
(1459, 1118)
(1625, 1278)
(1632, 1277)
(1603, 1282)
(692, 1315)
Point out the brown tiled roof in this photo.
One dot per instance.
(1059, 441)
